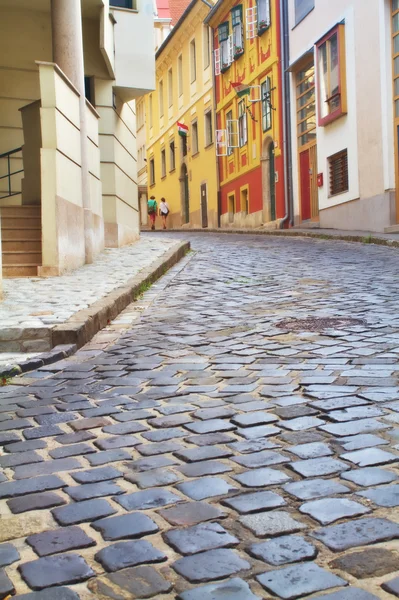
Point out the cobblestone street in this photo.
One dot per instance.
(239, 440)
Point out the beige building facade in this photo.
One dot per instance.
(68, 150)
(343, 138)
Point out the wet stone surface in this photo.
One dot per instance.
(195, 449)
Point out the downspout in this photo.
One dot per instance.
(219, 203)
(285, 80)
(207, 3)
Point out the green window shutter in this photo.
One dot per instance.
(223, 31)
(236, 15)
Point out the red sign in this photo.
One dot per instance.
(320, 180)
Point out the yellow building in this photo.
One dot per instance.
(183, 169)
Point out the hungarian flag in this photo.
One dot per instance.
(182, 129)
(241, 89)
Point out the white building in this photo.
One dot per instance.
(344, 134)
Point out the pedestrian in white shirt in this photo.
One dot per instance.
(163, 211)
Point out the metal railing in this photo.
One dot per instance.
(9, 174)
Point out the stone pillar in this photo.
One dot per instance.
(67, 39)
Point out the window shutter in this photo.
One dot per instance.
(221, 142)
(251, 22)
(232, 133)
(268, 17)
(339, 179)
(216, 55)
(230, 50)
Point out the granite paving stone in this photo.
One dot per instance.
(207, 487)
(261, 459)
(6, 586)
(262, 477)
(211, 565)
(369, 476)
(35, 502)
(73, 450)
(373, 562)
(8, 555)
(152, 498)
(108, 456)
(148, 464)
(93, 490)
(88, 510)
(42, 432)
(128, 554)
(315, 488)
(250, 419)
(60, 540)
(370, 457)
(253, 433)
(59, 593)
(96, 475)
(210, 426)
(232, 589)
(137, 582)
(328, 510)
(312, 450)
(254, 502)
(392, 586)
(47, 467)
(209, 439)
(203, 453)
(132, 525)
(299, 580)
(385, 495)
(153, 478)
(314, 467)
(158, 448)
(256, 445)
(55, 570)
(191, 513)
(357, 442)
(205, 536)
(284, 550)
(271, 524)
(10, 489)
(360, 532)
(206, 467)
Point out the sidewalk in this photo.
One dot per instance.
(38, 314)
(365, 237)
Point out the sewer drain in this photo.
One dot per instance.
(318, 324)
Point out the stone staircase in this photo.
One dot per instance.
(21, 240)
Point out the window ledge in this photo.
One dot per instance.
(209, 145)
(324, 121)
(195, 155)
(261, 30)
(163, 177)
(172, 170)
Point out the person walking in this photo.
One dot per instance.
(163, 211)
(152, 210)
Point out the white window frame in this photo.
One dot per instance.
(233, 136)
(218, 61)
(251, 22)
(221, 142)
(242, 124)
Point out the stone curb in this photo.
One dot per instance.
(364, 239)
(84, 324)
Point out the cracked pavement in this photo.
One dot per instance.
(232, 435)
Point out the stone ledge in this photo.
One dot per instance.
(58, 353)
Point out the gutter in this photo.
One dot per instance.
(287, 149)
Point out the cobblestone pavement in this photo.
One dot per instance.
(238, 440)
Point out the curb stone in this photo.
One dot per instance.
(83, 325)
(367, 238)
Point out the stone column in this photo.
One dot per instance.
(67, 38)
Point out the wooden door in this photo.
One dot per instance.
(314, 191)
(204, 205)
(272, 183)
(305, 174)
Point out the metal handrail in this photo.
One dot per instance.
(9, 173)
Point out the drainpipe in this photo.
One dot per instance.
(219, 199)
(285, 80)
(207, 3)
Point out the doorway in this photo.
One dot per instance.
(185, 197)
(308, 183)
(268, 181)
(204, 205)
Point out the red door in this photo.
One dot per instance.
(304, 163)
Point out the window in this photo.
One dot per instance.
(306, 105)
(244, 201)
(265, 90)
(232, 133)
(208, 128)
(263, 11)
(242, 123)
(338, 170)
(225, 47)
(163, 163)
(170, 87)
(151, 113)
(194, 137)
(140, 113)
(231, 208)
(172, 158)
(89, 89)
(331, 76)
(302, 8)
(152, 172)
(160, 93)
(238, 39)
(183, 145)
(180, 74)
(122, 3)
(207, 46)
(193, 61)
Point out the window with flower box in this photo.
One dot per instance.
(238, 38)
(224, 54)
(263, 13)
(242, 124)
(331, 76)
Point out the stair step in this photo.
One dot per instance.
(21, 245)
(16, 234)
(20, 211)
(19, 271)
(22, 258)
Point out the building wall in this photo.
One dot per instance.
(188, 107)
(248, 166)
(366, 130)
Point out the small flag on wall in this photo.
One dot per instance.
(182, 129)
(241, 89)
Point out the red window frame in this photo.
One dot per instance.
(339, 30)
